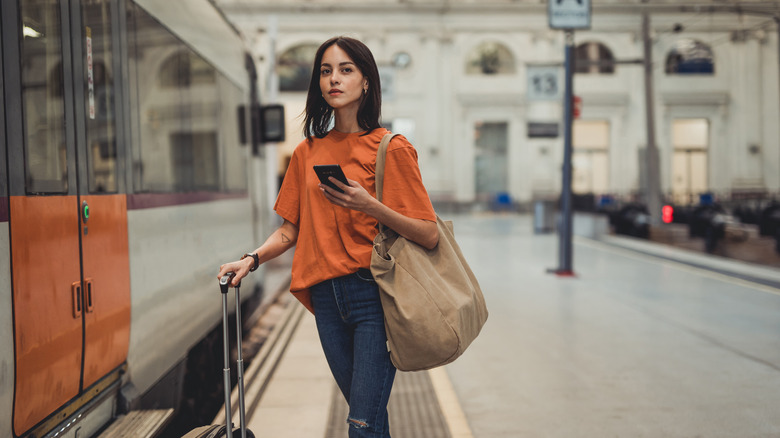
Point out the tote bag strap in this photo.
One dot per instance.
(379, 178)
(381, 153)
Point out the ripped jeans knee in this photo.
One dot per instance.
(357, 424)
(359, 428)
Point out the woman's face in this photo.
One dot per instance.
(341, 82)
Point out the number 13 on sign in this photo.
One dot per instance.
(543, 82)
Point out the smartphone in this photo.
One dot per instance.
(327, 170)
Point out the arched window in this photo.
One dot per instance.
(689, 56)
(294, 67)
(185, 68)
(490, 58)
(594, 57)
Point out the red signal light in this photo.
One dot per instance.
(576, 107)
(667, 214)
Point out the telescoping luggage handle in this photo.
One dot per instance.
(224, 286)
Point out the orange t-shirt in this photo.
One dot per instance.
(334, 241)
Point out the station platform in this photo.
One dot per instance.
(645, 340)
(302, 399)
(296, 396)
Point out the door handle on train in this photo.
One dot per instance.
(88, 295)
(75, 290)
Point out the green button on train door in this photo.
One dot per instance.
(104, 242)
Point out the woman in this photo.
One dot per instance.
(333, 232)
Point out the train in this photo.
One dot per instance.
(130, 135)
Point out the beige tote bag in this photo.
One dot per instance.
(433, 305)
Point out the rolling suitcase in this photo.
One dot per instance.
(221, 430)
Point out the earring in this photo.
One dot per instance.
(365, 91)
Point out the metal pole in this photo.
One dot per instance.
(271, 170)
(653, 189)
(777, 22)
(240, 368)
(565, 231)
(226, 369)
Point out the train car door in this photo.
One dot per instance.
(67, 207)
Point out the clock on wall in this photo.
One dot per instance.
(401, 60)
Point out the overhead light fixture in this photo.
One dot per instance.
(28, 31)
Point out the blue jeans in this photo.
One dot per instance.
(350, 322)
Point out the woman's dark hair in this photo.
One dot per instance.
(319, 114)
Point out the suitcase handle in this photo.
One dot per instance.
(224, 285)
(224, 282)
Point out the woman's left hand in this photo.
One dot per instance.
(355, 197)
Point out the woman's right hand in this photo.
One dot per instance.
(239, 267)
(278, 242)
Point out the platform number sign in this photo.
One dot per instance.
(544, 82)
(569, 14)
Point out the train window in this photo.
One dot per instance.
(233, 157)
(183, 115)
(294, 67)
(46, 169)
(194, 156)
(185, 69)
(99, 89)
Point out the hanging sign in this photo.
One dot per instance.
(544, 82)
(569, 14)
(90, 76)
(543, 130)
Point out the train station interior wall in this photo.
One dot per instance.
(740, 100)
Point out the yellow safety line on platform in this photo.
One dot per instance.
(450, 406)
(679, 265)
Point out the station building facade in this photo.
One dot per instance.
(478, 88)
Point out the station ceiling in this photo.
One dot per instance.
(763, 7)
(596, 3)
